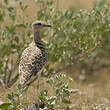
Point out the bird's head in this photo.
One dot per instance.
(39, 25)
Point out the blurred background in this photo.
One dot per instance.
(84, 50)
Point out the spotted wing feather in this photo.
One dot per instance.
(32, 61)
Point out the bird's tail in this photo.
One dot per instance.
(27, 79)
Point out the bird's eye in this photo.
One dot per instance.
(39, 23)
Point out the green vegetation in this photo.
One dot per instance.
(78, 36)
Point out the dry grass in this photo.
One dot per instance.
(94, 92)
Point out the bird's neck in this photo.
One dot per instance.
(37, 39)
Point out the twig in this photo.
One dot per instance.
(2, 83)
(5, 71)
(11, 71)
(13, 81)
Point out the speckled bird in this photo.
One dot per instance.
(34, 57)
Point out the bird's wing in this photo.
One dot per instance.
(31, 63)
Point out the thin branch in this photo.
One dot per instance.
(2, 83)
(5, 71)
(10, 47)
(13, 81)
(11, 71)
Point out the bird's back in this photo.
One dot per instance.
(32, 61)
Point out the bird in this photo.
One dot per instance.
(34, 57)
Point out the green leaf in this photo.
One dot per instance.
(10, 29)
(70, 79)
(66, 101)
(10, 96)
(21, 25)
(6, 1)
(4, 106)
(42, 99)
(17, 39)
(23, 7)
(10, 9)
(15, 46)
(20, 87)
(17, 95)
(1, 17)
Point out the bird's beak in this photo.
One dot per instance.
(47, 25)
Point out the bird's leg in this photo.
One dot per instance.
(38, 85)
(39, 75)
